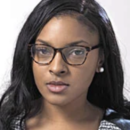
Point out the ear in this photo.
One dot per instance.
(100, 61)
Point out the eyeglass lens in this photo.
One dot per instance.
(43, 54)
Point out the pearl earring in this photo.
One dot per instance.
(101, 70)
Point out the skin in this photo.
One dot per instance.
(67, 110)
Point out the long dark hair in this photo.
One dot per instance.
(106, 89)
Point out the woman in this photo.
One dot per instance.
(67, 72)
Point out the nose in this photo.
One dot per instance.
(58, 65)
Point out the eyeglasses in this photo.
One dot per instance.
(72, 55)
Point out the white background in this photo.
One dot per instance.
(13, 14)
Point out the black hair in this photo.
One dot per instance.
(106, 89)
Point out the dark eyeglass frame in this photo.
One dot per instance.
(88, 49)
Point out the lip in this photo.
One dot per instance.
(58, 83)
(57, 86)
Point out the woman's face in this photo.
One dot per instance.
(58, 33)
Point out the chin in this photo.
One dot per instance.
(56, 100)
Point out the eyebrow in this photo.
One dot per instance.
(69, 44)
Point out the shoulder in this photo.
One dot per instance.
(106, 125)
(124, 124)
(114, 118)
(15, 125)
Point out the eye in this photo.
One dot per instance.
(77, 52)
(43, 51)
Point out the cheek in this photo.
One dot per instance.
(85, 73)
(83, 78)
(80, 81)
(38, 73)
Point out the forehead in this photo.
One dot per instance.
(80, 18)
(67, 29)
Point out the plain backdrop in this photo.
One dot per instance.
(13, 14)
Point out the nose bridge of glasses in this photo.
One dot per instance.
(59, 50)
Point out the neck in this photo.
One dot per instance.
(75, 111)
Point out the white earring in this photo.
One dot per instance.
(101, 70)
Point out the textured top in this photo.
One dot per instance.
(106, 125)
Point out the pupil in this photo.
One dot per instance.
(44, 51)
(79, 52)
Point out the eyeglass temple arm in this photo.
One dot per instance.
(96, 46)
